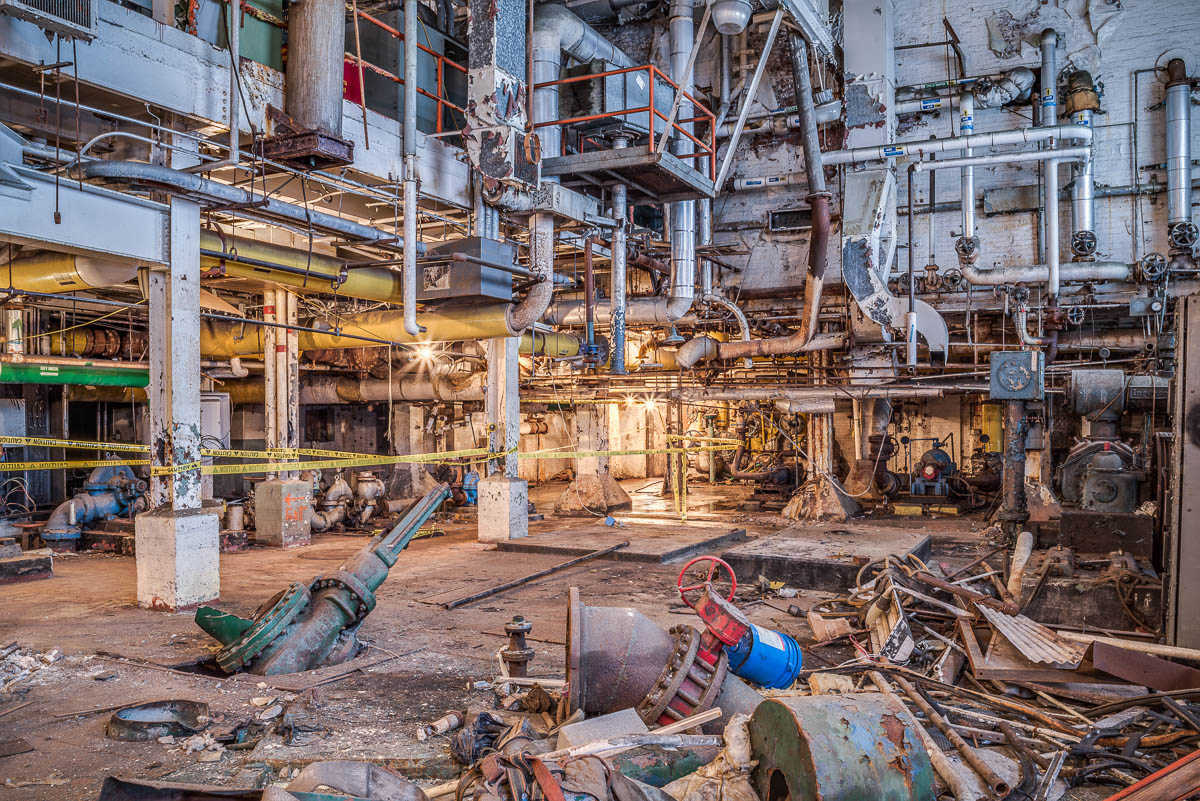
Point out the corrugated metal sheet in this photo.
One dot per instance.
(1035, 642)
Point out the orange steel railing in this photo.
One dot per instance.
(441, 61)
(705, 149)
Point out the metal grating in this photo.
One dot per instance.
(74, 18)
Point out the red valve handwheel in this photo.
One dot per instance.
(716, 563)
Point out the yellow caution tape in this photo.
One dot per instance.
(172, 469)
(48, 442)
(18, 467)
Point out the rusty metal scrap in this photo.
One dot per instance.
(1036, 642)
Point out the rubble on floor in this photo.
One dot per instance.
(920, 682)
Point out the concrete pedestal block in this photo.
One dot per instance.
(592, 494)
(281, 513)
(178, 558)
(822, 499)
(503, 508)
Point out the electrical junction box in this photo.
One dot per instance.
(1018, 375)
(463, 269)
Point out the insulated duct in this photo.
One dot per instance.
(1040, 273)
(818, 243)
(682, 213)
(230, 340)
(336, 390)
(64, 272)
(1181, 230)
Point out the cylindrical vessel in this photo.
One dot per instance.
(765, 657)
(837, 748)
(1179, 140)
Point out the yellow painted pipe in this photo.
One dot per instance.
(65, 272)
(365, 283)
(220, 340)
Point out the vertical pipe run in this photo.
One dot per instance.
(1181, 231)
(1179, 140)
(617, 275)
(235, 66)
(589, 299)
(910, 329)
(1014, 509)
(1083, 188)
(279, 356)
(683, 213)
(14, 328)
(966, 127)
(1049, 86)
(410, 168)
(818, 195)
(269, 378)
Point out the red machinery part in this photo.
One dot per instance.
(716, 563)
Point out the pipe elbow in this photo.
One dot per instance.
(694, 351)
(531, 307)
(679, 305)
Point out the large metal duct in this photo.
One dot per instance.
(316, 48)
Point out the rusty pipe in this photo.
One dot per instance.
(996, 784)
(1007, 608)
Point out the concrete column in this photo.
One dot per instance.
(594, 490)
(281, 503)
(177, 541)
(503, 496)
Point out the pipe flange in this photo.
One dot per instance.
(362, 599)
(269, 623)
(1083, 244)
(1183, 235)
(671, 694)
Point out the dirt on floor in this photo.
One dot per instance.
(88, 647)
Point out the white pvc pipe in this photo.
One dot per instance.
(998, 159)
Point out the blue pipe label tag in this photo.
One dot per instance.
(930, 103)
(888, 152)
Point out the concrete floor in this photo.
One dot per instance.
(89, 608)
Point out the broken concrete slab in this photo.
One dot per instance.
(823, 557)
(29, 566)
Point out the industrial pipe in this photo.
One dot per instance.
(1040, 273)
(966, 128)
(998, 159)
(239, 202)
(88, 374)
(1181, 230)
(1017, 136)
(337, 390)
(1081, 102)
(818, 243)
(1014, 509)
(53, 272)
(819, 393)
(683, 213)
(1049, 120)
(618, 278)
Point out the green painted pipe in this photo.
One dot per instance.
(85, 374)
